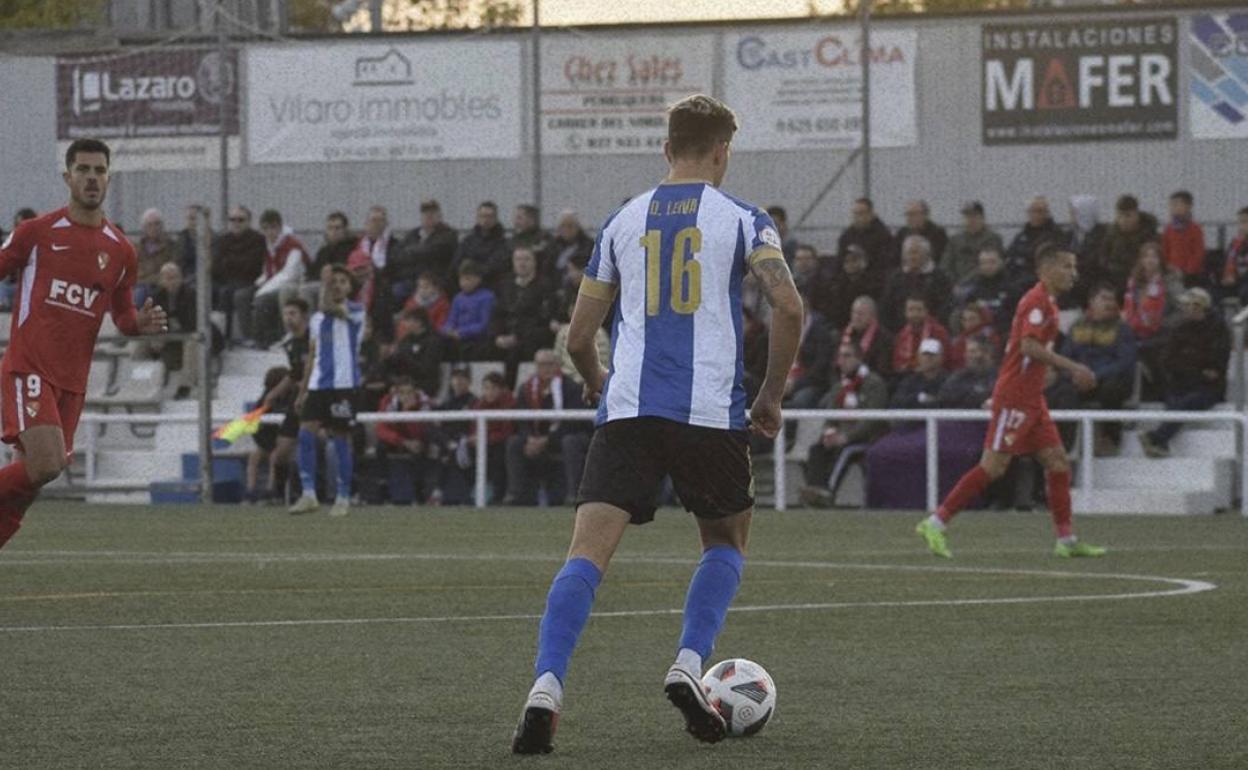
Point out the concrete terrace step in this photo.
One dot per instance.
(1174, 473)
(1206, 443)
(138, 466)
(1150, 502)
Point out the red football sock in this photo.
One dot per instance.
(971, 486)
(16, 495)
(1057, 489)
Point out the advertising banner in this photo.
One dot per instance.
(383, 101)
(1218, 53)
(610, 94)
(800, 89)
(156, 109)
(1046, 82)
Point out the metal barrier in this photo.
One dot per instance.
(929, 417)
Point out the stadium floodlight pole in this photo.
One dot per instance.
(536, 34)
(865, 55)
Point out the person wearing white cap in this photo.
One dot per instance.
(919, 389)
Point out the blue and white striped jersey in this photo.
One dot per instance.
(677, 255)
(336, 365)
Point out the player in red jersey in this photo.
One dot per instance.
(1020, 423)
(71, 266)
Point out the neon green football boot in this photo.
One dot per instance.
(935, 539)
(1077, 550)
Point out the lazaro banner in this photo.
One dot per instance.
(610, 94)
(157, 109)
(795, 90)
(1080, 81)
(383, 102)
(1218, 53)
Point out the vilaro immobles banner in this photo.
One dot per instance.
(794, 90)
(383, 101)
(156, 109)
(610, 95)
(1080, 81)
(1218, 55)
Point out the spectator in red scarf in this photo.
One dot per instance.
(494, 395)
(975, 321)
(1234, 282)
(367, 262)
(405, 448)
(429, 295)
(857, 388)
(865, 331)
(1183, 241)
(1151, 295)
(548, 453)
(920, 325)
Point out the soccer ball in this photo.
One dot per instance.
(743, 692)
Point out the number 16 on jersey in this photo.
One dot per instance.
(686, 274)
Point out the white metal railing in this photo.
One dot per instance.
(929, 417)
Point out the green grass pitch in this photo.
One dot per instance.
(179, 637)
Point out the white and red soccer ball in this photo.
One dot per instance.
(743, 692)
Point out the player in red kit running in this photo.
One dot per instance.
(71, 267)
(1020, 423)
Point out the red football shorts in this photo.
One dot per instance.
(1021, 431)
(27, 400)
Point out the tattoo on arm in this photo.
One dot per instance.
(771, 274)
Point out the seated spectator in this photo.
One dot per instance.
(494, 395)
(970, 387)
(425, 250)
(1194, 362)
(920, 389)
(417, 354)
(286, 260)
(836, 287)
(181, 358)
(450, 441)
(918, 274)
(430, 297)
(469, 320)
(805, 269)
(873, 340)
(237, 261)
(918, 222)
(808, 379)
(602, 343)
(1131, 229)
(788, 244)
(571, 245)
(857, 388)
(520, 321)
(265, 440)
(367, 263)
(920, 325)
(565, 294)
(545, 452)
(527, 232)
(154, 249)
(1020, 256)
(8, 286)
(866, 230)
(405, 448)
(1183, 240)
(1085, 236)
(1234, 280)
(335, 250)
(1101, 341)
(188, 242)
(485, 245)
(990, 288)
(974, 322)
(1148, 302)
(960, 259)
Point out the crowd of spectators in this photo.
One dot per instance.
(907, 318)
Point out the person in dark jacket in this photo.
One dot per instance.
(418, 354)
(485, 245)
(1104, 343)
(874, 342)
(990, 288)
(1020, 257)
(920, 389)
(178, 301)
(1194, 362)
(571, 245)
(961, 257)
(1131, 229)
(1086, 239)
(188, 243)
(971, 386)
(545, 452)
(335, 250)
(810, 377)
(237, 261)
(919, 222)
(520, 323)
(866, 230)
(429, 248)
(841, 281)
(919, 275)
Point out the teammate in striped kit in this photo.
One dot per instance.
(671, 262)
(1020, 423)
(330, 386)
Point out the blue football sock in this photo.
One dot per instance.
(307, 462)
(711, 590)
(567, 610)
(342, 448)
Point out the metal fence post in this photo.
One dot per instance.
(482, 455)
(1087, 452)
(780, 486)
(932, 456)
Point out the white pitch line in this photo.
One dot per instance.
(1183, 587)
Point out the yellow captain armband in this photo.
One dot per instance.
(591, 287)
(762, 253)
